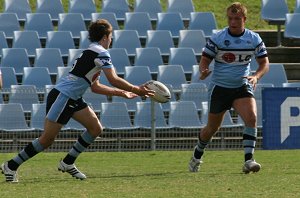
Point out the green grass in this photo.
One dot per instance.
(158, 174)
(217, 6)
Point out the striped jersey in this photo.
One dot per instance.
(232, 56)
(85, 70)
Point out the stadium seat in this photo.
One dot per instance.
(259, 114)
(183, 56)
(292, 29)
(25, 95)
(73, 55)
(139, 21)
(119, 7)
(12, 118)
(62, 40)
(38, 76)
(103, 80)
(50, 58)
(274, 12)
(196, 92)
(73, 125)
(173, 75)
(253, 64)
(109, 16)
(150, 6)
(204, 21)
(9, 59)
(38, 114)
(48, 88)
(143, 117)
(183, 114)
(3, 41)
(114, 115)
(166, 106)
(130, 103)
(192, 38)
(170, 21)
(94, 99)
(8, 78)
(184, 7)
(84, 41)
(53, 7)
(204, 112)
(128, 39)
(161, 39)
(275, 76)
(297, 7)
(228, 122)
(73, 22)
(86, 8)
(40, 22)
(28, 40)
(195, 78)
(149, 56)
(61, 72)
(119, 59)
(20, 7)
(8, 24)
(137, 75)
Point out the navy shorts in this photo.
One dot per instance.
(222, 98)
(60, 108)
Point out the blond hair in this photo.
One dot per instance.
(237, 7)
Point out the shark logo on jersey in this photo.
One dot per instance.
(227, 43)
(103, 61)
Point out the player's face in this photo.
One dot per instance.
(106, 41)
(236, 22)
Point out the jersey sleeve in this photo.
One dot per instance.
(211, 48)
(103, 60)
(260, 48)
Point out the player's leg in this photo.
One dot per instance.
(246, 108)
(89, 120)
(205, 135)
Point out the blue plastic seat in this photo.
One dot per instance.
(50, 58)
(292, 29)
(20, 7)
(94, 99)
(192, 38)
(195, 78)
(204, 21)
(40, 22)
(8, 78)
(184, 7)
(61, 72)
(119, 7)
(12, 118)
(53, 7)
(109, 16)
(62, 40)
(171, 21)
(128, 39)
(73, 54)
(297, 7)
(130, 103)
(183, 56)
(149, 56)
(184, 114)
(38, 114)
(196, 92)
(28, 40)
(143, 118)
(161, 39)
(120, 59)
(9, 59)
(26, 95)
(3, 41)
(139, 21)
(8, 24)
(86, 8)
(84, 41)
(275, 76)
(73, 22)
(37, 76)
(173, 75)
(137, 75)
(152, 7)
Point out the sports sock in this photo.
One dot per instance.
(249, 141)
(80, 145)
(199, 149)
(28, 152)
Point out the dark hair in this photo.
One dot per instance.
(98, 29)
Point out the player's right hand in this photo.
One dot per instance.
(204, 74)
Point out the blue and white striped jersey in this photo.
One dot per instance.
(232, 56)
(85, 70)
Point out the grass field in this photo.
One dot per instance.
(158, 174)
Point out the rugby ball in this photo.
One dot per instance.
(162, 93)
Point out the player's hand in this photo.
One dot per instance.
(204, 74)
(142, 90)
(128, 95)
(252, 80)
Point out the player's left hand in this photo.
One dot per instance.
(252, 80)
(128, 95)
(144, 91)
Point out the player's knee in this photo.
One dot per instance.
(95, 130)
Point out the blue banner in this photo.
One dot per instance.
(281, 118)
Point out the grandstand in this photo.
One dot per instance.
(133, 138)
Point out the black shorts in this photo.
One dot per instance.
(60, 108)
(222, 98)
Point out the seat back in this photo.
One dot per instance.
(60, 39)
(25, 95)
(120, 59)
(61, 72)
(183, 56)
(9, 23)
(73, 22)
(184, 7)
(139, 21)
(9, 59)
(292, 29)
(53, 7)
(161, 39)
(274, 10)
(193, 39)
(196, 92)
(39, 22)
(38, 76)
(20, 7)
(171, 74)
(119, 7)
(137, 75)
(205, 21)
(28, 40)
(149, 56)
(48, 57)
(8, 78)
(127, 39)
(130, 103)
(84, 41)
(38, 114)
(275, 76)
(109, 16)
(183, 114)
(3, 41)
(94, 99)
(152, 7)
(86, 8)
(171, 21)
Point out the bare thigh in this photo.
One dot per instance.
(246, 108)
(89, 120)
